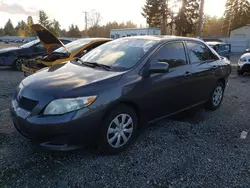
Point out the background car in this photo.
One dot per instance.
(74, 49)
(116, 89)
(68, 52)
(247, 51)
(243, 64)
(15, 56)
(221, 48)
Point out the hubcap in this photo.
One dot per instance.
(217, 96)
(120, 130)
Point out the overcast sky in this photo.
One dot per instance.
(71, 11)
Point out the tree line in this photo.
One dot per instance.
(165, 14)
(24, 29)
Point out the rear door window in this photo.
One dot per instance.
(198, 52)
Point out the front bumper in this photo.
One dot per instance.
(244, 67)
(65, 132)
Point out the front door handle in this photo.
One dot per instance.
(187, 74)
(215, 67)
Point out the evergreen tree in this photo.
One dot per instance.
(55, 28)
(9, 28)
(30, 22)
(186, 20)
(63, 33)
(1, 31)
(44, 19)
(237, 14)
(153, 10)
(74, 31)
(22, 29)
(212, 26)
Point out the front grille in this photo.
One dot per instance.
(27, 104)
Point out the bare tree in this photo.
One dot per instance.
(94, 18)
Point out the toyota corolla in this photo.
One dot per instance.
(110, 93)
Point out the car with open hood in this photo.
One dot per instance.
(114, 90)
(15, 56)
(72, 50)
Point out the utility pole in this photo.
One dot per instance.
(229, 27)
(164, 18)
(86, 23)
(199, 27)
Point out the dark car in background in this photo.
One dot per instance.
(110, 93)
(15, 56)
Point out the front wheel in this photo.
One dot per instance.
(240, 72)
(216, 97)
(17, 64)
(118, 130)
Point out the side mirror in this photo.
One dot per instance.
(159, 67)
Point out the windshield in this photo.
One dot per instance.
(74, 46)
(29, 44)
(121, 53)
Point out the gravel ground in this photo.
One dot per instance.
(193, 149)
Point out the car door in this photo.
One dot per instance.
(167, 92)
(224, 50)
(204, 65)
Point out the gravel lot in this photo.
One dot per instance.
(193, 149)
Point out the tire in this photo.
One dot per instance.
(216, 97)
(240, 72)
(107, 141)
(17, 64)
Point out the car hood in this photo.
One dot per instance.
(48, 39)
(10, 49)
(247, 55)
(65, 79)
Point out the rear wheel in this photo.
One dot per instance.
(118, 130)
(216, 97)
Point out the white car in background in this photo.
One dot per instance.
(244, 64)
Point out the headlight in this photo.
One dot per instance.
(243, 59)
(62, 106)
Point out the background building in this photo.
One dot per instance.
(241, 33)
(118, 33)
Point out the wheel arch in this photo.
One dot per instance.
(128, 103)
(223, 81)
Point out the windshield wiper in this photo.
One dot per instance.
(94, 64)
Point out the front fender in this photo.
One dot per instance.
(7, 60)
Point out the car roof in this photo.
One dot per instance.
(214, 43)
(246, 55)
(163, 38)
